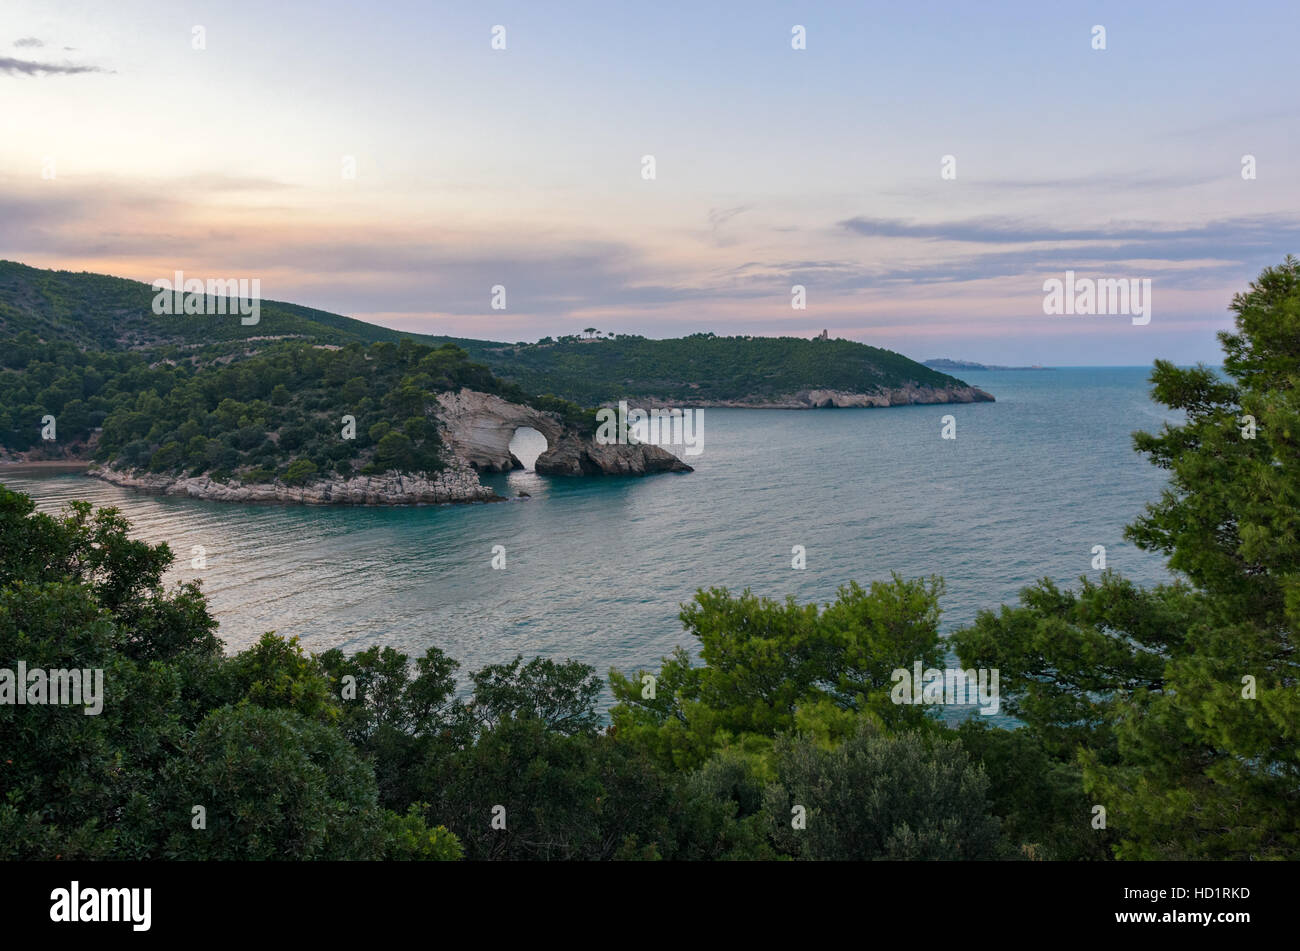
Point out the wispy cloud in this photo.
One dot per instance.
(29, 41)
(1002, 230)
(26, 67)
(1227, 243)
(718, 218)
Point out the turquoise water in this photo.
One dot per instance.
(596, 568)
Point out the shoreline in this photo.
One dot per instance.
(454, 485)
(829, 399)
(53, 465)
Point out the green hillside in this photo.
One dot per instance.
(194, 394)
(278, 414)
(93, 312)
(700, 367)
(97, 312)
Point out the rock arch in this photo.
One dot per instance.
(479, 427)
(522, 444)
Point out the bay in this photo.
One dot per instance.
(596, 569)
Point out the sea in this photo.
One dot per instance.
(597, 569)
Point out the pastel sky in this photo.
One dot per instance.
(773, 166)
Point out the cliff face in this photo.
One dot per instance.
(908, 395)
(479, 426)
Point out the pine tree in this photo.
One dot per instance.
(1210, 765)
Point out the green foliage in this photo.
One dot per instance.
(409, 838)
(124, 575)
(1039, 799)
(765, 660)
(250, 738)
(300, 471)
(282, 409)
(880, 796)
(722, 815)
(275, 785)
(1066, 658)
(78, 777)
(1179, 704)
(560, 695)
(700, 367)
(1209, 766)
(1174, 707)
(97, 312)
(276, 674)
(197, 394)
(400, 718)
(565, 796)
(90, 351)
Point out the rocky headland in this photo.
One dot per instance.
(476, 430)
(907, 395)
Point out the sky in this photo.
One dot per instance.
(383, 160)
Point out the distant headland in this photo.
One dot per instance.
(946, 364)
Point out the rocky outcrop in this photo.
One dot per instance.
(457, 484)
(906, 395)
(577, 455)
(479, 426)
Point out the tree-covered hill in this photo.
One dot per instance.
(277, 414)
(702, 367)
(96, 312)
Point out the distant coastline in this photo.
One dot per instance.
(908, 395)
(944, 364)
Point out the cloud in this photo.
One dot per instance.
(1138, 181)
(357, 259)
(1226, 243)
(1001, 230)
(26, 67)
(718, 218)
(29, 41)
(341, 264)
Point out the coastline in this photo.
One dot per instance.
(51, 465)
(475, 447)
(909, 395)
(453, 485)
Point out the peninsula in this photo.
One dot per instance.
(300, 405)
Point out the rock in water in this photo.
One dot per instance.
(576, 455)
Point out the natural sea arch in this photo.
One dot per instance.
(526, 445)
